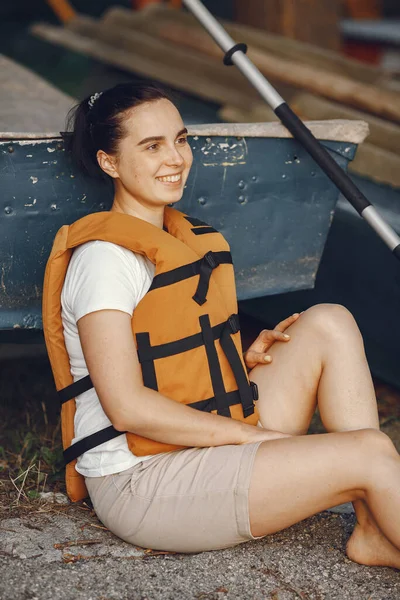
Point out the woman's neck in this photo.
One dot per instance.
(155, 215)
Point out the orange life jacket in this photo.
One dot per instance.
(185, 328)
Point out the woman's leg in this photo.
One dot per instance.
(294, 478)
(324, 361)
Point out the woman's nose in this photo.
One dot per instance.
(174, 157)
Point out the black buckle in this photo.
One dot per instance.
(206, 266)
(211, 260)
(248, 411)
(233, 321)
(254, 390)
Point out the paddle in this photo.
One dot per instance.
(236, 54)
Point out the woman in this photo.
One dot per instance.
(223, 480)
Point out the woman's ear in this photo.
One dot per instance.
(107, 163)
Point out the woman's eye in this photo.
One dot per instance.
(182, 140)
(153, 147)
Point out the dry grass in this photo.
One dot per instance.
(30, 443)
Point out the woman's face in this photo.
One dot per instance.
(154, 158)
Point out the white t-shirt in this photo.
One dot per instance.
(100, 276)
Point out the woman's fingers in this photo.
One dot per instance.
(253, 358)
(279, 335)
(287, 322)
(269, 336)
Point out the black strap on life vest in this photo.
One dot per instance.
(200, 228)
(202, 267)
(203, 230)
(148, 354)
(75, 389)
(231, 353)
(208, 263)
(213, 260)
(90, 441)
(214, 366)
(148, 367)
(196, 222)
(152, 353)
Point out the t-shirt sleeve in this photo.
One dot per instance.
(103, 276)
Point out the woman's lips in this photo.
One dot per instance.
(171, 180)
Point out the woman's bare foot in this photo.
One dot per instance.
(368, 546)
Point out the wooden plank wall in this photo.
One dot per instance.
(313, 21)
(364, 9)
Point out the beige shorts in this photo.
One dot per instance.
(186, 501)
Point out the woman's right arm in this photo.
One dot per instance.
(110, 354)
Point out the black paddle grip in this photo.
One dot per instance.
(322, 157)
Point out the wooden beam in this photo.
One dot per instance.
(159, 16)
(153, 58)
(313, 21)
(383, 133)
(384, 103)
(139, 4)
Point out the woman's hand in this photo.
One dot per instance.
(258, 351)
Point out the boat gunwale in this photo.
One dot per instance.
(340, 130)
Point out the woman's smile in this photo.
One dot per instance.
(171, 180)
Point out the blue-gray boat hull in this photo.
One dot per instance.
(266, 196)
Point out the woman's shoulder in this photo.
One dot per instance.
(103, 255)
(97, 261)
(103, 275)
(98, 250)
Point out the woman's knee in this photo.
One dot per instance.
(369, 457)
(379, 459)
(373, 444)
(333, 320)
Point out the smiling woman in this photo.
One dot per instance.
(153, 169)
(177, 445)
(116, 135)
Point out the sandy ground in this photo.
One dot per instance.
(68, 555)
